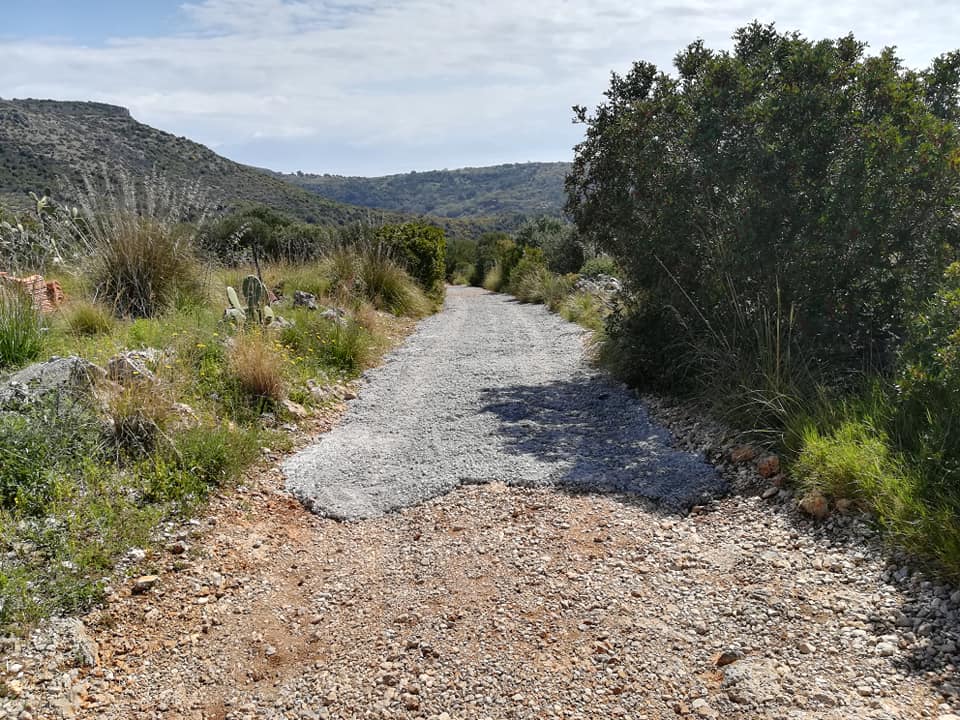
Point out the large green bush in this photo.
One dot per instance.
(421, 249)
(785, 173)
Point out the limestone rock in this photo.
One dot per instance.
(304, 300)
(58, 376)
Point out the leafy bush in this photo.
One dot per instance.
(421, 249)
(801, 174)
(562, 251)
(927, 421)
(21, 328)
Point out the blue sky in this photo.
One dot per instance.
(370, 87)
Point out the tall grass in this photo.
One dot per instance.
(257, 367)
(368, 272)
(142, 239)
(21, 328)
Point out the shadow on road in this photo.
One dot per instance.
(601, 439)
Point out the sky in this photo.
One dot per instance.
(370, 87)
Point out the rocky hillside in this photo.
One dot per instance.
(45, 142)
(504, 191)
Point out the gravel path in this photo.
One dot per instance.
(492, 390)
(492, 602)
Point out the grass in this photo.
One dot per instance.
(82, 483)
(84, 318)
(584, 309)
(21, 328)
(493, 280)
(256, 365)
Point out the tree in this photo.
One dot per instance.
(786, 173)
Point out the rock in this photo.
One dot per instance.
(948, 716)
(728, 657)
(805, 648)
(742, 454)
(144, 583)
(304, 300)
(702, 708)
(770, 492)
(295, 409)
(82, 647)
(134, 366)
(336, 315)
(186, 415)
(815, 505)
(768, 466)
(58, 376)
(886, 649)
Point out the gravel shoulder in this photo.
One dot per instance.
(499, 601)
(490, 390)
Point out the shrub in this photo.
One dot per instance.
(41, 446)
(138, 416)
(87, 318)
(256, 367)
(141, 267)
(321, 343)
(927, 419)
(493, 279)
(562, 251)
(800, 172)
(584, 309)
(216, 455)
(21, 328)
(421, 249)
(388, 287)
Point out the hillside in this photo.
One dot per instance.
(43, 142)
(526, 189)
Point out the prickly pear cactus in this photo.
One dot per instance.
(234, 300)
(255, 293)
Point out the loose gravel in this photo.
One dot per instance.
(497, 602)
(491, 390)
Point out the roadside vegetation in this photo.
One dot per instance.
(783, 219)
(189, 380)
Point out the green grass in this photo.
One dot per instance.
(585, 310)
(21, 329)
(81, 484)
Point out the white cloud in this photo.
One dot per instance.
(409, 79)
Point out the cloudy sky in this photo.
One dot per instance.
(367, 87)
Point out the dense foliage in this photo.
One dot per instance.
(421, 249)
(784, 216)
(785, 174)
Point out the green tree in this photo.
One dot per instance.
(784, 173)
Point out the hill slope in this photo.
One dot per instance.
(527, 189)
(45, 141)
